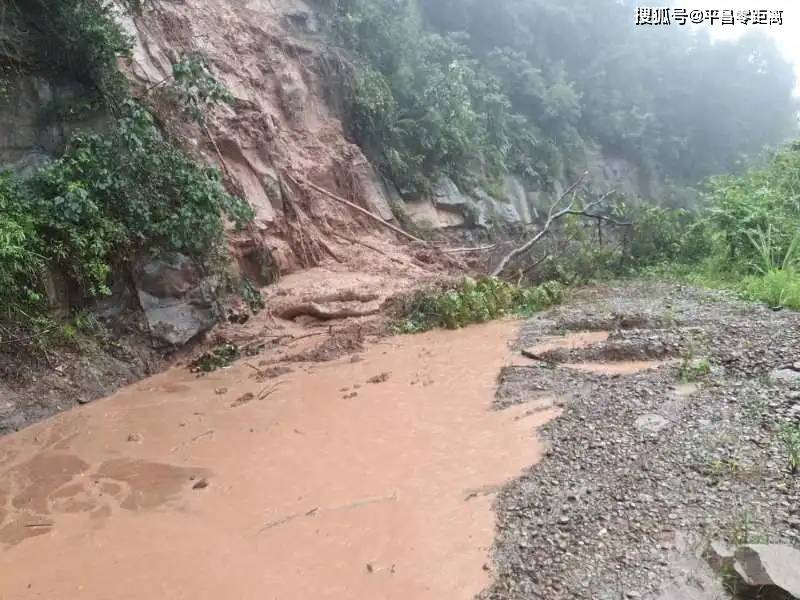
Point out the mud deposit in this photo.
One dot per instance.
(369, 478)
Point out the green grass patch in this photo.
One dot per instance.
(474, 301)
(779, 288)
(790, 434)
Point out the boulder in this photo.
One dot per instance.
(788, 375)
(178, 302)
(447, 196)
(720, 556)
(491, 212)
(374, 190)
(424, 214)
(769, 565)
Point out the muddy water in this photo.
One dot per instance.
(571, 341)
(365, 479)
(585, 339)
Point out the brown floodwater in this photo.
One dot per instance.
(358, 479)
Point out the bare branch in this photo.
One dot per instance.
(552, 216)
(363, 211)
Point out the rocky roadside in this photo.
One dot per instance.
(646, 468)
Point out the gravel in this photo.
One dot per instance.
(644, 471)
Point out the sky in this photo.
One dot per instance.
(786, 36)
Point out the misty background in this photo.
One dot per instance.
(471, 89)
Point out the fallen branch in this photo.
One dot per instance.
(465, 250)
(552, 216)
(363, 211)
(360, 243)
(26, 338)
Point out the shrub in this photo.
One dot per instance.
(473, 301)
(21, 266)
(108, 199)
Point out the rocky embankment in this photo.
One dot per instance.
(678, 412)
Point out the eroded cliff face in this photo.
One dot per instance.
(279, 126)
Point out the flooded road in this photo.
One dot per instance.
(361, 478)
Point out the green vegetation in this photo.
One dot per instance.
(471, 301)
(692, 369)
(112, 196)
(790, 434)
(217, 358)
(751, 233)
(472, 89)
(252, 296)
(67, 37)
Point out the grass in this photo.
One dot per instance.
(790, 434)
(471, 301)
(778, 287)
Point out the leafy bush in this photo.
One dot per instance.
(21, 266)
(473, 301)
(113, 196)
(664, 236)
(761, 206)
(195, 88)
(108, 199)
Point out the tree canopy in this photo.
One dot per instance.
(466, 86)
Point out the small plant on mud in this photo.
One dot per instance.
(216, 358)
(252, 296)
(790, 434)
(472, 301)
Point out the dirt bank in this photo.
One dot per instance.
(370, 476)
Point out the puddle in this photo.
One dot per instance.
(572, 341)
(622, 367)
(368, 479)
(585, 339)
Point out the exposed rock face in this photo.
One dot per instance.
(34, 129)
(447, 196)
(177, 301)
(515, 193)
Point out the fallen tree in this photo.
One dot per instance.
(557, 211)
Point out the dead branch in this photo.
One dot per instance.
(364, 244)
(466, 250)
(363, 211)
(552, 216)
